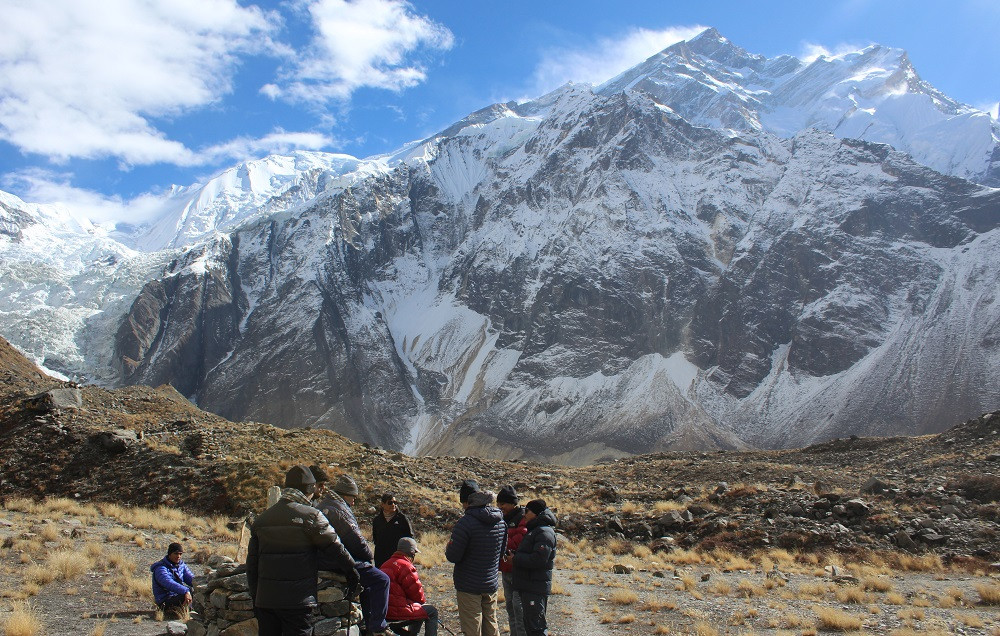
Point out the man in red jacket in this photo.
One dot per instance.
(406, 593)
(517, 527)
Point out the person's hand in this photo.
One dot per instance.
(353, 584)
(187, 598)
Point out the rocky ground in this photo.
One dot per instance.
(919, 514)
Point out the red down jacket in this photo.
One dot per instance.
(517, 527)
(406, 592)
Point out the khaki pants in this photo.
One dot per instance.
(477, 614)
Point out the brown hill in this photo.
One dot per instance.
(146, 446)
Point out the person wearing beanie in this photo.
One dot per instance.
(336, 506)
(466, 488)
(513, 516)
(533, 562)
(389, 525)
(172, 583)
(288, 541)
(407, 601)
(322, 479)
(476, 546)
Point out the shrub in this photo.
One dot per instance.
(22, 621)
(837, 620)
(982, 488)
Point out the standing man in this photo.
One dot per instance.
(513, 516)
(533, 563)
(336, 506)
(407, 601)
(287, 543)
(388, 527)
(476, 545)
(172, 581)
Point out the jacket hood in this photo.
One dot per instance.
(547, 518)
(514, 517)
(487, 515)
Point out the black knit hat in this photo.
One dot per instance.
(174, 547)
(319, 474)
(536, 506)
(466, 488)
(507, 495)
(299, 476)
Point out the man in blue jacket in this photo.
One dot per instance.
(476, 545)
(533, 563)
(172, 580)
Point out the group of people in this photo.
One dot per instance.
(312, 527)
(511, 544)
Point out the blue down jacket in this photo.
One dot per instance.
(170, 580)
(536, 556)
(476, 545)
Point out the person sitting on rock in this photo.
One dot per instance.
(407, 601)
(389, 525)
(336, 506)
(172, 581)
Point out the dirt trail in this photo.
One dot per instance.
(572, 613)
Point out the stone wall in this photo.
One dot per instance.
(223, 607)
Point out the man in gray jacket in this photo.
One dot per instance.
(287, 543)
(476, 545)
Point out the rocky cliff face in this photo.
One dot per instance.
(591, 275)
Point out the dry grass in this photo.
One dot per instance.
(701, 628)
(852, 594)
(99, 629)
(877, 585)
(623, 597)
(833, 619)
(923, 563)
(989, 593)
(970, 620)
(23, 620)
(69, 564)
(895, 598)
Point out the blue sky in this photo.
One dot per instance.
(105, 102)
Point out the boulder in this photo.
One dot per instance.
(64, 399)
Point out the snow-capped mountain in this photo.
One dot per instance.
(874, 94)
(650, 264)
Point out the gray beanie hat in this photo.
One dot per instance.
(407, 545)
(345, 486)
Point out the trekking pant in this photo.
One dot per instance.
(374, 596)
(477, 613)
(515, 617)
(534, 613)
(431, 624)
(283, 622)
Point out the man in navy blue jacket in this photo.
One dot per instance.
(533, 563)
(172, 580)
(476, 545)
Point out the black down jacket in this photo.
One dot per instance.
(535, 557)
(476, 545)
(288, 541)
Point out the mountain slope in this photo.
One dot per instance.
(666, 261)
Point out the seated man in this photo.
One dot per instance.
(336, 506)
(406, 593)
(172, 580)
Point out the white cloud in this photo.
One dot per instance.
(359, 43)
(48, 187)
(811, 51)
(83, 79)
(607, 57)
(278, 142)
(993, 109)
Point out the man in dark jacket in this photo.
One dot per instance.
(288, 541)
(533, 563)
(172, 581)
(476, 545)
(513, 516)
(374, 582)
(388, 527)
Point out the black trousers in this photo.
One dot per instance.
(283, 622)
(533, 607)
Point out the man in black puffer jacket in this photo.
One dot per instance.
(533, 563)
(476, 545)
(288, 541)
